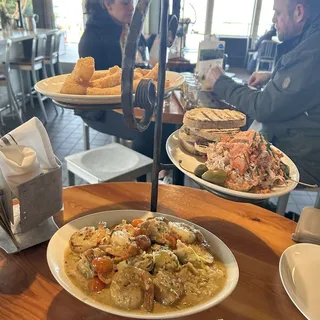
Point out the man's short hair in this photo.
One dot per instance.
(312, 7)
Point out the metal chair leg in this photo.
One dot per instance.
(71, 178)
(44, 71)
(317, 204)
(53, 73)
(86, 137)
(30, 89)
(22, 92)
(59, 67)
(282, 204)
(34, 78)
(13, 101)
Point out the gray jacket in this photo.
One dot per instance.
(289, 106)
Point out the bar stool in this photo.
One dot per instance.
(5, 81)
(31, 66)
(52, 57)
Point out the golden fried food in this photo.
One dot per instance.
(144, 72)
(99, 75)
(114, 69)
(85, 80)
(71, 86)
(137, 75)
(83, 70)
(114, 91)
(107, 81)
(152, 74)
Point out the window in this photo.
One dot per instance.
(232, 17)
(69, 18)
(265, 17)
(197, 15)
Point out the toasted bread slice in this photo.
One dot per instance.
(211, 134)
(207, 118)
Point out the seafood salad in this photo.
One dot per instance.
(147, 265)
(245, 162)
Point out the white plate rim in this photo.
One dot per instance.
(239, 194)
(292, 297)
(92, 99)
(119, 312)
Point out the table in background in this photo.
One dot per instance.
(172, 111)
(22, 35)
(256, 237)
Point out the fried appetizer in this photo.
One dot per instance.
(83, 70)
(99, 75)
(71, 86)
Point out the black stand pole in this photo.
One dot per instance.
(159, 112)
(146, 96)
(21, 25)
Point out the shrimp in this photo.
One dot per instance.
(186, 233)
(168, 288)
(121, 245)
(88, 237)
(157, 229)
(132, 288)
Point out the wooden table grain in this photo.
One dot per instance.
(256, 237)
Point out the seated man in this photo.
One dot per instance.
(289, 105)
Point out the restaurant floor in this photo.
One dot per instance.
(66, 134)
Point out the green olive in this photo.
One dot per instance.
(217, 176)
(200, 170)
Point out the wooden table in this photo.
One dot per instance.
(172, 112)
(256, 237)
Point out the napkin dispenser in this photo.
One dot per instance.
(308, 227)
(39, 199)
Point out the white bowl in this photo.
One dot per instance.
(299, 272)
(60, 241)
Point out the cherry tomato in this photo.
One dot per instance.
(102, 265)
(136, 222)
(95, 285)
(139, 232)
(172, 241)
(143, 242)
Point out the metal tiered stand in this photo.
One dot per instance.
(147, 96)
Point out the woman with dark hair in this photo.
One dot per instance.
(104, 39)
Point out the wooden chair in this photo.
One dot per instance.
(5, 81)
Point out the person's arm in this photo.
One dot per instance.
(293, 90)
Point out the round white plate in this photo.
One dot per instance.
(299, 271)
(60, 241)
(176, 153)
(51, 88)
